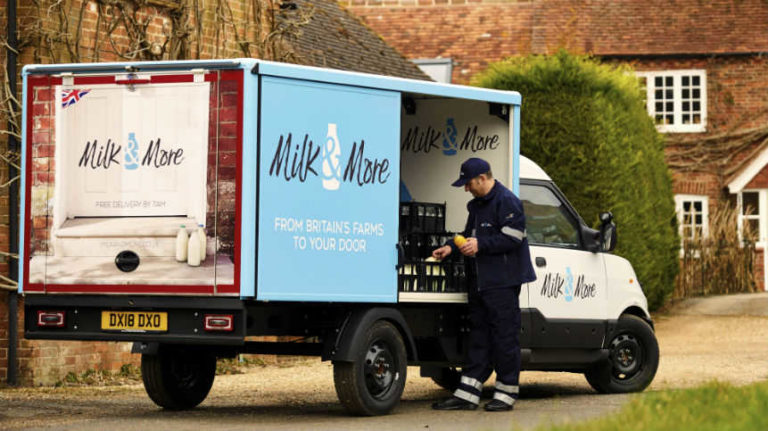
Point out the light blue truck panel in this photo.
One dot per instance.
(328, 192)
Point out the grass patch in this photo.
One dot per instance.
(127, 375)
(712, 407)
(238, 365)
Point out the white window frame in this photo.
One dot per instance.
(439, 69)
(762, 210)
(677, 125)
(679, 202)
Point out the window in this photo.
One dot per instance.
(692, 216)
(676, 100)
(547, 221)
(750, 204)
(439, 69)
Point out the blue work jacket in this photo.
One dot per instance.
(498, 222)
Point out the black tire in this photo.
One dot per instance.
(448, 379)
(373, 383)
(632, 361)
(176, 379)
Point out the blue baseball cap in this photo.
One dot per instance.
(470, 169)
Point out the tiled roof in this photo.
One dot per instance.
(337, 39)
(481, 32)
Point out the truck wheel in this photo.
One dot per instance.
(373, 383)
(178, 380)
(632, 360)
(448, 379)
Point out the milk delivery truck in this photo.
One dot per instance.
(191, 206)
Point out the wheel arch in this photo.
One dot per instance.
(355, 327)
(639, 312)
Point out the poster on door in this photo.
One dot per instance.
(138, 151)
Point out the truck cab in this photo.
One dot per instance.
(190, 206)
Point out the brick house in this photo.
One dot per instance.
(704, 65)
(319, 33)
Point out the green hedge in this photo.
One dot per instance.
(585, 123)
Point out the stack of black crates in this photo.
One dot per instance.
(422, 229)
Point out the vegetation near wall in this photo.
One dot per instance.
(586, 124)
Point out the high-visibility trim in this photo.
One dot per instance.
(501, 396)
(510, 389)
(514, 233)
(466, 396)
(469, 381)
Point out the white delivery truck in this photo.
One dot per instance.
(191, 206)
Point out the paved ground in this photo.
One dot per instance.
(724, 338)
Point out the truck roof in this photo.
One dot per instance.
(531, 171)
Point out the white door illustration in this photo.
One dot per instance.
(134, 153)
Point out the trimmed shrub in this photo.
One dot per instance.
(586, 124)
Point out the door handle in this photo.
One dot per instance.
(540, 261)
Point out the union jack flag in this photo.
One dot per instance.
(69, 97)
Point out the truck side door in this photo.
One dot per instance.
(570, 282)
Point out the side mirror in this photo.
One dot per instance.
(607, 231)
(590, 238)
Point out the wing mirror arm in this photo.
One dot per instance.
(607, 232)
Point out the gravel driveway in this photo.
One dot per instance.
(699, 340)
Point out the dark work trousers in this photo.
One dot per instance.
(494, 343)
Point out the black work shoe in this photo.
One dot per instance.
(498, 406)
(454, 403)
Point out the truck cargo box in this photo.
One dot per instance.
(293, 175)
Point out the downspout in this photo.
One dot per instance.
(13, 201)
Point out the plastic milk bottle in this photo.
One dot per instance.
(201, 233)
(181, 244)
(193, 250)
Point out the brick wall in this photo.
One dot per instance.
(43, 361)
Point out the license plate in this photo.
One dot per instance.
(134, 321)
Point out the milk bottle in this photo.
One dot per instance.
(201, 233)
(331, 164)
(181, 244)
(193, 249)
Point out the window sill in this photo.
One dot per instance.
(669, 128)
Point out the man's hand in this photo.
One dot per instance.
(442, 252)
(469, 248)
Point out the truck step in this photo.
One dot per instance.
(108, 236)
(151, 270)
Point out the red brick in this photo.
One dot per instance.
(228, 115)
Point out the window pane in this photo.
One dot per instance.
(749, 203)
(669, 106)
(686, 93)
(668, 94)
(697, 119)
(696, 106)
(659, 94)
(697, 206)
(659, 107)
(687, 206)
(699, 219)
(547, 220)
(696, 80)
(669, 119)
(686, 80)
(668, 81)
(657, 81)
(686, 119)
(686, 106)
(696, 93)
(753, 227)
